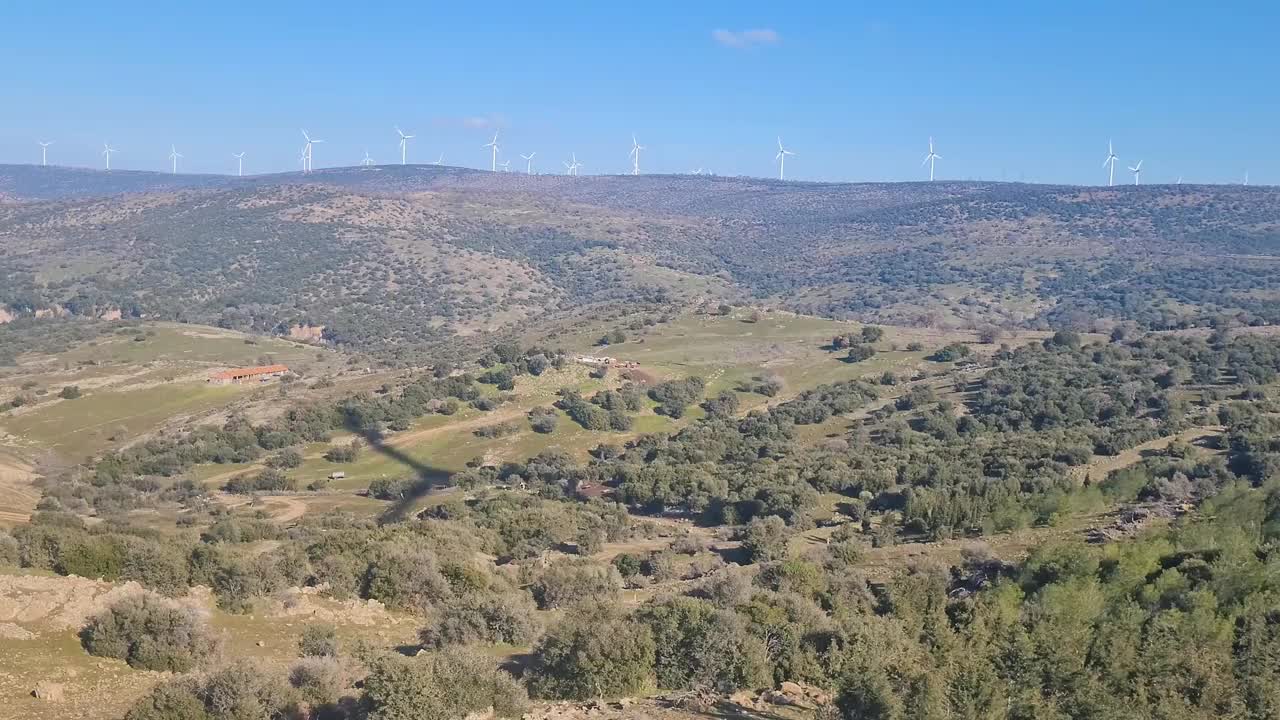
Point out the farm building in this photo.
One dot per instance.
(243, 375)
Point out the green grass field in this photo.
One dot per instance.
(77, 428)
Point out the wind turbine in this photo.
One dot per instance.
(493, 166)
(505, 165)
(106, 151)
(1246, 177)
(571, 168)
(44, 152)
(782, 160)
(696, 172)
(367, 161)
(1137, 171)
(239, 163)
(635, 155)
(307, 164)
(440, 160)
(931, 158)
(404, 143)
(173, 157)
(528, 160)
(1111, 160)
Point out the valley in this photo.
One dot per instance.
(663, 446)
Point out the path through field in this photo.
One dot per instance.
(17, 496)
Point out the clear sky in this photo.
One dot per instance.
(1025, 90)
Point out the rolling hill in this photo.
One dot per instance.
(405, 261)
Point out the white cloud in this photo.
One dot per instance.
(745, 38)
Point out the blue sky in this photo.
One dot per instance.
(1010, 90)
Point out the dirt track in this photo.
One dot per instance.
(17, 496)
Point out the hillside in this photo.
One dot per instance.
(404, 261)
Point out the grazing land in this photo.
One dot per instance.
(668, 447)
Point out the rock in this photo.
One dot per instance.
(791, 688)
(51, 692)
(261, 644)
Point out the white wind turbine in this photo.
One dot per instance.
(367, 161)
(106, 152)
(44, 152)
(173, 157)
(782, 160)
(636, 147)
(404, 143)
(307, 162)
(528, 160)
(571, 168)
(931, 158)
(439, 160)
(493, 165)
(239, 163)
(505, 165)
(1111, 160)
(1246, 177)
(1137, 172)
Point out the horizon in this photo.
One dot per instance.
(760, 178)
(1008, 92)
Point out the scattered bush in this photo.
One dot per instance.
(448, 685)
(149, 633)
(574, 580)
(509, 619)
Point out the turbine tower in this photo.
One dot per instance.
(367, 161)
(571, 168)
(440, 160)
(505, 165)
(239, 163)
(528, 160)
(173, 157)
(782, 160)
(404, 143)
(106, 151)
(493, 165)
(1111, 160)
(1137, 171)
(931, 158)
(307, 164)
(1246, 177)
(635, 155)
(44, 152)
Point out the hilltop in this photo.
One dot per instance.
(406, 261)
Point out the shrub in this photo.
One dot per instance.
(70, 392)
(860, 352)
(406, 577)
(149, 633)
(765, 539)
(240, 691)
(344, 453)
(698, 645)
(318, 640)
(574, 580)
(441, 686)
(594, 653)
(509, 619)
(543, 420)
(496, 431)
(951, 353)
(285, 459)
(628, 565)
(321, 681)
(9, 550)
